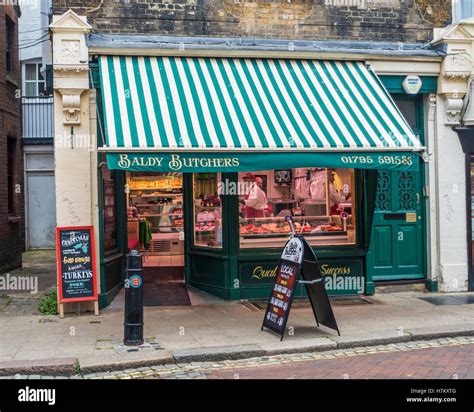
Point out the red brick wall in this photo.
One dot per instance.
(11, 226)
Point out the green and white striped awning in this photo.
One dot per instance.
(248, 113)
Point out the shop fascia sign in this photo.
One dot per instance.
(175, 162)
(412, 85)
(218, 161)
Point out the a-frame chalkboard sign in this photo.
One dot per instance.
(297, 259)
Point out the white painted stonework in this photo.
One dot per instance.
(451, 225)
(451, 260)
(75, 141)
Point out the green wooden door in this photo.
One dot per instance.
(397, 241)
(396, 246)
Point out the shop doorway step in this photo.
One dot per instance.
(163, 274)
(164, 286)
(417, 285)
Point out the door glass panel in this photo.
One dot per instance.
(383, 199)
(408, 109)
(406, 191)
(36, 161)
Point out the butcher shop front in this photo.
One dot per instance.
(213, 153)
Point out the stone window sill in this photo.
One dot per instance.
(14, 219)
(11, 79)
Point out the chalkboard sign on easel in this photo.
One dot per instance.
(297, 258)
(75, 255)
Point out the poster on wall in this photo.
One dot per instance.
(76, 264)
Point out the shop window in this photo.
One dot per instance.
(207, 210)
(109, 210)
(320, 201)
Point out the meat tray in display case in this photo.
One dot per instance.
(274, 231)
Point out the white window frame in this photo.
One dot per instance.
(457, 16)
(39, 79)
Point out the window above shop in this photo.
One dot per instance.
(462, 9)
(34, 83)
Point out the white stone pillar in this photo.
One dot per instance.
(452, 266)
(457, 41)
(450, 175)
(75, 140)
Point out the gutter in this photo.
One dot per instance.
(102, 44)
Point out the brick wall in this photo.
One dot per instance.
(11, 226)
(373, 20)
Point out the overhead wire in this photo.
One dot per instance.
(34, 44)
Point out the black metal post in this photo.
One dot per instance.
(133, 324)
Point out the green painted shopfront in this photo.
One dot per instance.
(201, 159)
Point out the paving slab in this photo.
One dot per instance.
(122, 361)
(218, 353)
(298, 346)
(370, 339)
(434, 332)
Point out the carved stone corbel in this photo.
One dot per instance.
(456, 67)
(454, 105)
(71, 107)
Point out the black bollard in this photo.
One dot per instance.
(133, 324)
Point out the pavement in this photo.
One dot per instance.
(212, 330)
(443, 358)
